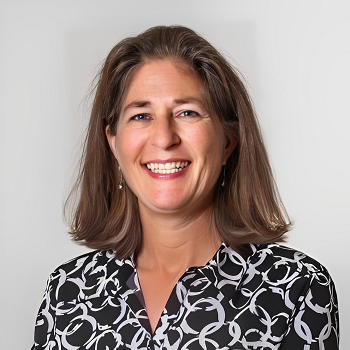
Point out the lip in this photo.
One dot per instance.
(170, 176)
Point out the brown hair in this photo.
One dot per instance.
(248, 208)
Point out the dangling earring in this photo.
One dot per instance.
(120, 178)
(223, 178)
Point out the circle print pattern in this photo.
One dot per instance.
(278, 298)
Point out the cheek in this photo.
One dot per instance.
(129, 144)
(208, 143)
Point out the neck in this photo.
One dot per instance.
(173, 242)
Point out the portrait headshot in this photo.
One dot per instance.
(175, 175)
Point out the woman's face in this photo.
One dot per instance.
(170, 150)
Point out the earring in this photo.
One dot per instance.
(223, 178)
(120, 178)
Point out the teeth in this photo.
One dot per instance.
(167, 168)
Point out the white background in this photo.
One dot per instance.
(295, 56)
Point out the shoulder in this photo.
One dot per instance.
(89, 275)
(92, 259)
(286, 270)
(272, 255)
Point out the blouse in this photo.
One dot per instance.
(278, 298)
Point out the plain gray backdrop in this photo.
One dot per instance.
(295, 56)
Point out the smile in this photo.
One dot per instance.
(167, 168)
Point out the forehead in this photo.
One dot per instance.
(164, 79)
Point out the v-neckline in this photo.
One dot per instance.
(136, 300)
(138, 305)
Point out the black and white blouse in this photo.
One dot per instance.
(278, 298)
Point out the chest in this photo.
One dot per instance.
(196, 314)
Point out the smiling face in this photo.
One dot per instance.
(169, 148)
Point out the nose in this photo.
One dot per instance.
(164, 132)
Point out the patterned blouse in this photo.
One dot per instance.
(278, 298)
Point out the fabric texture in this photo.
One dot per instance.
(278, 298)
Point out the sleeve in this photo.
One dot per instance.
(44, 333)
(315, 323)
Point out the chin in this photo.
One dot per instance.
(165, 205)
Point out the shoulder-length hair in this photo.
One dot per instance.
(247, 209)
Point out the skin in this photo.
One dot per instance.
(163, 118)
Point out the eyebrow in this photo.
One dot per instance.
(185, 100)
(179, 101)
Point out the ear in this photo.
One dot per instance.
(111, 141)
(231, 144)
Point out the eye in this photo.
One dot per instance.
(189, 113)
(140, 117)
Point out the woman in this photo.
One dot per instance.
(176, 193)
